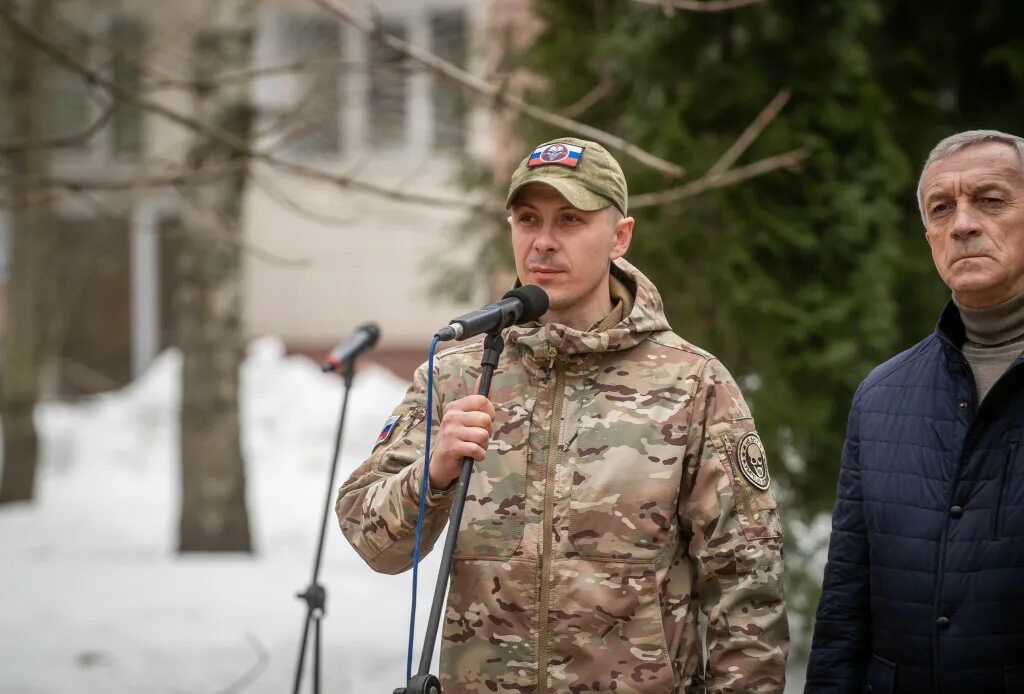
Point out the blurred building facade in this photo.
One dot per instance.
(320, 259)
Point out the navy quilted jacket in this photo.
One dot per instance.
(924, 587)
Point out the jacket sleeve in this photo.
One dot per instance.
(841, 647)
(735, 542)
(378, 505)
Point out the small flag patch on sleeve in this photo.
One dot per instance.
(560, 153)
(389, 427)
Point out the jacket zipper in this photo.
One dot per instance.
(937, 606)
(1011, 452)
(549, 512)
(968, 442)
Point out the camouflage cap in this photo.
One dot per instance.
(582, 171)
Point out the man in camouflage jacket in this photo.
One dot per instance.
(620, 486)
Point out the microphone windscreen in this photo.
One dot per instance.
(373, 331)
(535, 302)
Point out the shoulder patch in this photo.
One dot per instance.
(752, 461)
(389, 428)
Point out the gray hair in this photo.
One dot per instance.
(954, 143)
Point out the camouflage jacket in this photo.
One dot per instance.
(612, 502)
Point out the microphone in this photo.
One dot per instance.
(364, 338)
(521, 305)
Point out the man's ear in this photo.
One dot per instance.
(623, 235)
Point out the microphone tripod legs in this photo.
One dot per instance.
(421, 684)
(315, 596)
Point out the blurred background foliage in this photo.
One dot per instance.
(800, 281)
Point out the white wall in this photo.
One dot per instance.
(372, 268)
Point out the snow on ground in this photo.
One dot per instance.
(96, 601)
(95, 598)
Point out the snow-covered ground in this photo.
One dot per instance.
(94, 599)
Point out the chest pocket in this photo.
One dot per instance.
(1010, 512)
(494, 516)
(626, 471)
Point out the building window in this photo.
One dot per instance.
(312, 125)
(71, 103)
(322, 106)
(118, 51)
(127, 38)
(389, 90)
(449, 39)
(4, 246)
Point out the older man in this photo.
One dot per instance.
(924, 587)
(624, 490)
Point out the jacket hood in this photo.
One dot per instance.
(646, 317)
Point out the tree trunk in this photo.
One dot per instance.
(209, 298)
(26, 334)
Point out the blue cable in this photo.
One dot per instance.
(424, 490)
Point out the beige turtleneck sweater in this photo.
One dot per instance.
(995, 338)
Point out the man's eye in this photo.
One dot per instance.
(940, 208)
(991, 200)
(527, 217)
(571, 219)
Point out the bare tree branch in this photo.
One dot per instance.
(719, 176)
(701, 185)
(219, 135)
(752, 132)
(256, 251)
(62, 141)
(209, 233)
(721, 173)
(163, 179)
(699, 6)
(28, 202)
(787, 160)
(52, 189)
(289, 203)
(600, 91)
(474, 83)
(111, 51)
(287, 122)
(272, 71)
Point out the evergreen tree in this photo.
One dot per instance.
(790, 279)
(800, 282)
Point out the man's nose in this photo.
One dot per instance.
(545, 242)
(965, 221)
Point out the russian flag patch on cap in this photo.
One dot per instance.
(556, 153)
(389, 426)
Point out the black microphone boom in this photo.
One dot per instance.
(521, 305)
(364, 338)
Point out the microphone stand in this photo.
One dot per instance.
(423, 682)
(315, 595)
